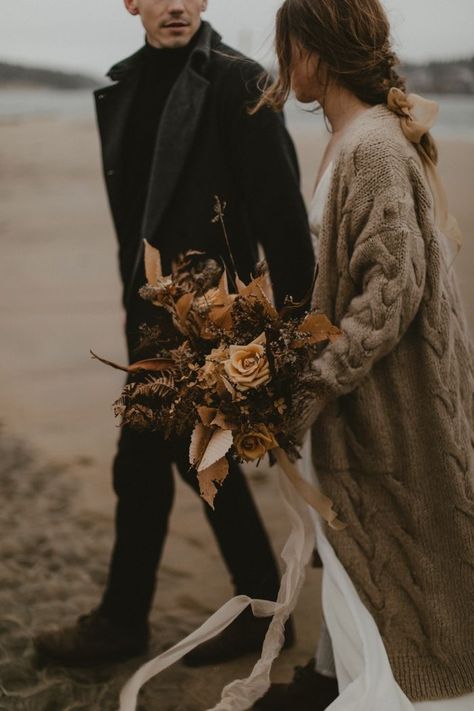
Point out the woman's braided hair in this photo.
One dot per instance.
(351, 39)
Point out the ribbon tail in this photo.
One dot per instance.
(447, 224)
(209, 629)
(311, 494)
(242, 693)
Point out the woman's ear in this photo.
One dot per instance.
(131, 6)
(204, 6)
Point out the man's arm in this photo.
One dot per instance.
(266, 168)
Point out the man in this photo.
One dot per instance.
(176, 131)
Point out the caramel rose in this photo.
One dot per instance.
(255, 443)
(247, 366)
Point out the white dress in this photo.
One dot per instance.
(363, 670)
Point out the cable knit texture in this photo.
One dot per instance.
(393, 409)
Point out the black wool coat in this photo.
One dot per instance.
(207, 145)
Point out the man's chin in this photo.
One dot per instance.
(176, 43)
(171, 42)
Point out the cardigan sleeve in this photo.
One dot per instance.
(387, 267)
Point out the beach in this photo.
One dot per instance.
(59, 298)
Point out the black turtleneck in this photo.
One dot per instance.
(158, 73)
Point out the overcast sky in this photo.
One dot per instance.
(91, 35)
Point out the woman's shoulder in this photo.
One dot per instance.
(378, 129)
(376, 146)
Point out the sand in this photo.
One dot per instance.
(59, 297)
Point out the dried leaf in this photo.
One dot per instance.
(221, 305)
(125, 368)
(207, 415)
(224, 283)
(240, 285)
(183, 307)
(217, 473)
(152, 365)
(319, 328)
(221, 421)
(261, 340)
(269, 308)
(257, 290)
(153, 269)
(251, 289)
(200, 438)
(221, 387)
(222, 316)
(228, 386)
(218, 446)
(206, 333)
(158, 387)
(266, 287)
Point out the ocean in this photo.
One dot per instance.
(456, 118)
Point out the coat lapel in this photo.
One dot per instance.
(175, 139)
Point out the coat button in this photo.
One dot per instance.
(110, 173)
(101, 96)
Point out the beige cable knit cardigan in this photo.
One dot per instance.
(393, 438)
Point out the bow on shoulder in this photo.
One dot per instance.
(417, 117)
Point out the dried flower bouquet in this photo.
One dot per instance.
(227, 366)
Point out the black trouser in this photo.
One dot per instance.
(143, 482)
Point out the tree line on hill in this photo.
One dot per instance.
(454, 77)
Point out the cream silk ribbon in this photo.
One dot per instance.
(242, 693)
(417, 117)
(313, 496)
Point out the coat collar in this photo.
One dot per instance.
(200, 55)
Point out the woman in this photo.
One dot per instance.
(392, 400)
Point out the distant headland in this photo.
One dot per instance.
(450, 77)
(19, 76)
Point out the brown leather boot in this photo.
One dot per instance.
(244, 636)
(308, 691)
(92, 640)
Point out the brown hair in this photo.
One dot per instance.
(352, 40)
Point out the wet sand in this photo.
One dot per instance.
(60, 296)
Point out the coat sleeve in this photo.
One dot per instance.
(388, 269)
(265, 164)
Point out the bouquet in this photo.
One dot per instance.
(226, 366)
